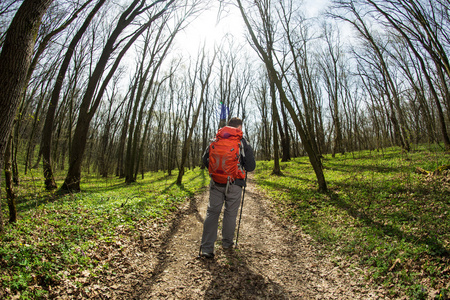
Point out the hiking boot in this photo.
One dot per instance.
(207, 255)
(230, 247)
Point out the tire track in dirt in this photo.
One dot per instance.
(272, 261)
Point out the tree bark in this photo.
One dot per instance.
(285, 138)
(15, 60)
(275, 120)
(313, 157)
(46, 139)
(402, 32)
(204, 83)
(9, 184)
(88, 107)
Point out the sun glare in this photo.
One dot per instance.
(211, 30)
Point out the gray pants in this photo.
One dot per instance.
(216, 199)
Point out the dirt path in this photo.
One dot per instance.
(271, 262)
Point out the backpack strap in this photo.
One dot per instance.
(241, 150)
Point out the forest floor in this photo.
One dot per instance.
(273, 260)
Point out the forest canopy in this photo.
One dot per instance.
(108, 88)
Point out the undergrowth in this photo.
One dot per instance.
(378, 213)
(57, 236)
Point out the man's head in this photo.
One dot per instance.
(235, 122)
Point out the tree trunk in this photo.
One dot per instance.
(89, 105)
(25, 102)
(313, 156)
(120, 171)
(285, 138)
(9, 184)
(15, 60)
(47, 131)
(204, 84)
(275, 120)
(129, 163)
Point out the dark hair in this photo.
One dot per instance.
(235, 122)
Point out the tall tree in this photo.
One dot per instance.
(93, 94)
(10, 195)
(275, 77)
(430, 41)
(390, 87)
(275, 120)
(332, 72)
(204, 71)
(15, 59)
(262, 100)
(47, 132)
(107, 136)
(284, 135)
(156, 49)
(297, 40)
(120, 170)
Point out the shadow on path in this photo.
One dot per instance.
(235, 280)
(148, 281)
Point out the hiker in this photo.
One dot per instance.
(223, 188)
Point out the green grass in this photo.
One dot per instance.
(378, 213)
(57, 236)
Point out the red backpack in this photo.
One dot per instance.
(224, 154)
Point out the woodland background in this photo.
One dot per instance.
(106, 89)
(107, 92)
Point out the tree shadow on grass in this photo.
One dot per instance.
(26, 201)
(201, 174)
(106, 187)
(292, 191)
(356, 212)
(301, 178)
(354, 168)
(387, 229)
(279, 185)
(31, 200)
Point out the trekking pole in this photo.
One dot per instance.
(240, 215)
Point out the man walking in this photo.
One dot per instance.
(228, 159)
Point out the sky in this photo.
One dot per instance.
(206, 29)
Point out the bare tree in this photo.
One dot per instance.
(297, 40)
(332, 66)
(430, 41)
(275, 124)
(391, 91)
(261, 95)
(10, 195)
(46, 139)
(107, 136)
(92, 96)
(275, 77)
(203, 71)
(155, 94)
(139, 101)
(175, 109)
(120, 170)
(15, 59)
(156, 46)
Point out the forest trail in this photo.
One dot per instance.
(272, 261)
